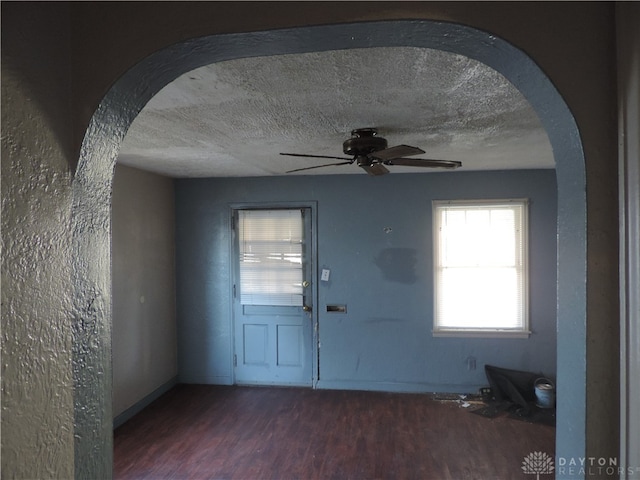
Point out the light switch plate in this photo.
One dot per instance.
(325, 275)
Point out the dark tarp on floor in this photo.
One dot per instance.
(512, 386)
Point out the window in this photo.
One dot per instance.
(271, 251)
(481, 267)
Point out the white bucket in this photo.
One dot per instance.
(545, 393)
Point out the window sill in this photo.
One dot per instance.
(482, 333)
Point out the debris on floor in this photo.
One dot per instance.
(510, 394)
(462, 400)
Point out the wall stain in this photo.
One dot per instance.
(398, 265)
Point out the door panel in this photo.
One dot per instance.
(273, 343)
(255, 344)
(288, 345)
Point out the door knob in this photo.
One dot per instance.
(306, 308)
(305, 284)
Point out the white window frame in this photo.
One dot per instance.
(440, 328)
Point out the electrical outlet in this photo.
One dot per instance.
(325, 275)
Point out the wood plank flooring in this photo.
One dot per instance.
(254, 433)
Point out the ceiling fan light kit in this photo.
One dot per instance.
(370, 152)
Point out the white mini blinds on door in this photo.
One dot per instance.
(271, 252)
(481, 278)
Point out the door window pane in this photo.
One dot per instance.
(271, 253)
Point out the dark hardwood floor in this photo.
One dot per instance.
(251, 433)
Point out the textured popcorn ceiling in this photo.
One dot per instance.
(233, 118)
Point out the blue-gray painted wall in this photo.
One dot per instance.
(385, 278)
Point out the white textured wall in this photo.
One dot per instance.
(37, 380)
(142, 252)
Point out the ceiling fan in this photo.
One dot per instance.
(370, 152)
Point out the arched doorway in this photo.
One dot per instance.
(92, 187)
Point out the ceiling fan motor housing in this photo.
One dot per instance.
(363, 141)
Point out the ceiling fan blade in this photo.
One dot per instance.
(424, 162)
(375, 169)
(314, 156)
(319, 166)
(395, 152)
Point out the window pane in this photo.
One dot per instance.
(479, 298)
(271, 255)
(478, 237)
